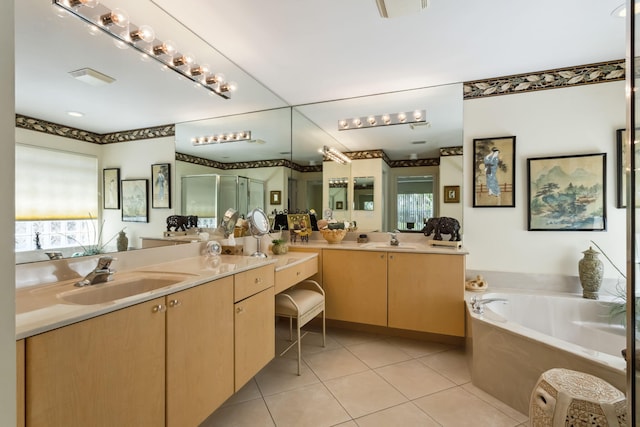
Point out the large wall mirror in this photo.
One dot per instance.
(280, 133)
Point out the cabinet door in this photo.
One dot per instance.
(20, 382)
(426, 293)
(355, 283)
(199, 351)
(105, 371)
(254, 335)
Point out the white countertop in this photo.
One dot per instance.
(40, 308)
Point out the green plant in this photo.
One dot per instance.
(97, 247)
(618, 311)
(278, 241)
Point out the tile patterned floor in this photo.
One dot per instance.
(365, 380)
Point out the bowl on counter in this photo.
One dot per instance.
(333, 236)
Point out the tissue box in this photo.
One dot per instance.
(232, 250)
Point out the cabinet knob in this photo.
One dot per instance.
(258, 280)
(158, 308)
(175, 303)
(298, 273)
(390, 256)
(239, 310)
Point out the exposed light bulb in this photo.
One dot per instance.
(372, 120)
(417, 115)
(165, 48)
(144, 33)
(386, 119)
(116, 17)
(343, 124)
(402, 117)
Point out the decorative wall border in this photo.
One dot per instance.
(51, 128)
(600, 72)
(451, 151)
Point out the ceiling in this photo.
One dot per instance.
(294, 52)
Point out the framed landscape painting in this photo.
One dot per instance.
(494, 172)
(135, 205)
(567, 193)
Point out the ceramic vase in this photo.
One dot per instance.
(590, 270)
(122, 242)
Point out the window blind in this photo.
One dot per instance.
(55, 185)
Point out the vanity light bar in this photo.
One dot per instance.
(383, 120)
(221, 138)
(335, 155)
(142, 38)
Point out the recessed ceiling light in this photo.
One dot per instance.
(418, 142)
(75, 113)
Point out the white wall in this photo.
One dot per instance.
(577, 120)
(451, 168)
(134, 159)
(7, 223)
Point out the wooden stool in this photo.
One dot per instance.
(563, 397)
(302, 302)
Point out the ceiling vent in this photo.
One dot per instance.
(395, 8)
(92, 77)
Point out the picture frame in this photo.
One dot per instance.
(339, 205)
(135, 205)
(494, 172)
(111, 188)
(452, 194)
(161, 186)
(275, 197)
(567, 193)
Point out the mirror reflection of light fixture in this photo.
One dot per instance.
(222, 138)
(417, 116)
(395, 8)
(335, 155)
(142, 38)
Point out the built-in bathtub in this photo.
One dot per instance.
(513, 343)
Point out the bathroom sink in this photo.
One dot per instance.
(122, 287)
(388, 246)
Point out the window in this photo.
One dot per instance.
(56, 197)
(415, 202)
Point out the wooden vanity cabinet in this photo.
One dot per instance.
(20, 383)
(254, 317)
(426, 292)
(104, 371)
(128, 367)
(318, 274)
(355, 283)
(199, 365)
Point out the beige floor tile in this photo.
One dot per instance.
(508, 410)
(451, 364)
(248, 392)
(417, 348)
(253, 413)
(348, 337)
(413, 379)
(347, 424)
(312, 406)
(457, 407)
(334, 363)
(378, 353)
(363, 393)
(406, 414)
(281, 374)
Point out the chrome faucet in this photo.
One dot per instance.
(394, 240)
(477, 305)
(100, 274)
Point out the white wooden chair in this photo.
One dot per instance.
(302, 302)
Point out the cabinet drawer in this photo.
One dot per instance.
(253, 281)
(291, 275)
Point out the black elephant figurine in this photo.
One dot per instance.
(443, 225)
(180, 222)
